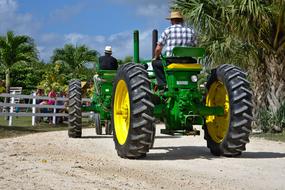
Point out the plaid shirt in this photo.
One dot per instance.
(176, 35)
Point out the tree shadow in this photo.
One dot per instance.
(111, 136)
(199, 152)
(167, 137)
(97, 137)
(20, 129)
(262, 155)
(180, 153)
(32, 129)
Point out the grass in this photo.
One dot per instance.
(272, 136)
(23, 126)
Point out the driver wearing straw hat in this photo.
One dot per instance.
(175, 35)
(108, 62)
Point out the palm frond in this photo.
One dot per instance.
(74, 57)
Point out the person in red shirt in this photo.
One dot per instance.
(51, 94)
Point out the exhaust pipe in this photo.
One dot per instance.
(154, 41)
(136, 47)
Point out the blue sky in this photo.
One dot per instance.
(95, 23)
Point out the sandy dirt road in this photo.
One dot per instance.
(54, 161)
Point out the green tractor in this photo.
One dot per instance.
(100, 105)
(223, 106)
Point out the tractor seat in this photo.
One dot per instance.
(182, 63)
(180, 60)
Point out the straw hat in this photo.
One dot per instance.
(174, 14)
(108, 49)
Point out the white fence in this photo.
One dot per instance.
(10, 109)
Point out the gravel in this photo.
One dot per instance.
(54, 161)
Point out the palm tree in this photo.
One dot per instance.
(250, 33)
(74, 57)
(14, 50)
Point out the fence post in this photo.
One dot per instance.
(11, 109)
(54, 111)
(34, 110)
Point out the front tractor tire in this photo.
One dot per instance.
(108, 128)
(74, 111)
(98, 126)
(132, 112)
(227, 135)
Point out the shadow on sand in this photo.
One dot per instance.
(111, 136)
(97, 137)
(190, 152)
(199, 152)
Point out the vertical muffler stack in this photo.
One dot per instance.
(136, 47)
(154, 41)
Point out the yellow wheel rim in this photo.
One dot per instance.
(121, 112)
(218, 125)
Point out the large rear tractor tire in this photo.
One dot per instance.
(227, 135)
(74, 111)
(132, 112)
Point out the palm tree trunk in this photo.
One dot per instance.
(268, 84)
(275, 93)
(259, 85)
(8, 80)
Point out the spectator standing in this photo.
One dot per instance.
(51, 94)
(63, 110)
(40, 93)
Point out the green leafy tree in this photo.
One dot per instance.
(15, 49)
(74, 59)
(127, 59)
(54, 78)
(250, 33)
(28, 76)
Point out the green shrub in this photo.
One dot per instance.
(270, 121)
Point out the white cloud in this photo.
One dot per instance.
(47, 42)
(99, 39)
(122, 43)
(150, 8)
(50, 38)
(11, 20)
(68, 11)
(7, 7)
(75, 38)
(153, 10)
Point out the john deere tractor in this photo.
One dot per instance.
(222, 106)
(100, 105)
